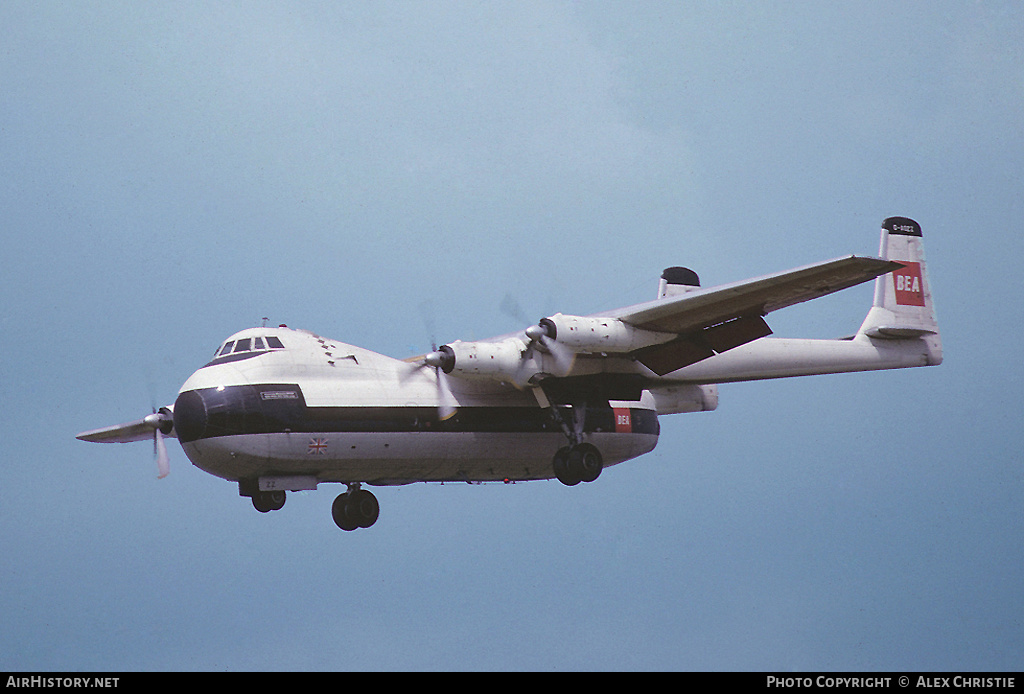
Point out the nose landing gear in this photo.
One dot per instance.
(356, 508)
(268, 501)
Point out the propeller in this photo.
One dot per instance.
(442, 361)
(155, 426)
(543, 333)
(163, 463)
(160, 421)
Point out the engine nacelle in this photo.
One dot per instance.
(546, 349)
(493, 359)
(509, 360)
(601, 335)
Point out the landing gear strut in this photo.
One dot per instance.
(356, 508)
(577, 462)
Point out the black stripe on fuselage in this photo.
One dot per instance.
(281, 408)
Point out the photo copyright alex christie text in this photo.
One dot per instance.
(831, 681)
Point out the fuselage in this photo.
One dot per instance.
(289, 405)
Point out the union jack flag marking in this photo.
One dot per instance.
(317, 446)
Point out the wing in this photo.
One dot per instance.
(717, 319)
(664, 335)
(138, 430)
(703, 308)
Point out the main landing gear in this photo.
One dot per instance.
(356, 508)
(577, 462)
(580, 462)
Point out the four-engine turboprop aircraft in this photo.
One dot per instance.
(279, 410)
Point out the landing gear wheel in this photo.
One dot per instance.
(580, 463)
(363, 507)
(586, 461)
(341, 518)
(269, 501)
(355, 509)
(563, 472)
(277, 499)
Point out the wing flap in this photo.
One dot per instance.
(702, 344)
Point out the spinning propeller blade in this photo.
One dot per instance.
(441, 360)
(446, 401)
(162, 421)
(562, 355)
(544, 334)
(163, 466)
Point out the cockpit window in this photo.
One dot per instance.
(247, 344)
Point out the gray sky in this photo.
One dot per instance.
(175, 172)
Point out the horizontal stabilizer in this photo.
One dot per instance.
(898, 331)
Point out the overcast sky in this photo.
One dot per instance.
(386, 173)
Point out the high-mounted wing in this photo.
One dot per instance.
(717, 319)
(703, 308)
(664, 335)
(139, 430)
(153, 426)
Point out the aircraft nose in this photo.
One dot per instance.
(190, 416)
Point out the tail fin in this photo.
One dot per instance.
(903, 307)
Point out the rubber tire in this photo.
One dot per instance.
(276, 499)
(261, 502)
(363, 508)
(341, 518)
(563, 469)
(590, 462)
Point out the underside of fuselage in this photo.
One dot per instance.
(390, 458)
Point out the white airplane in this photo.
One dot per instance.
(280, 410)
